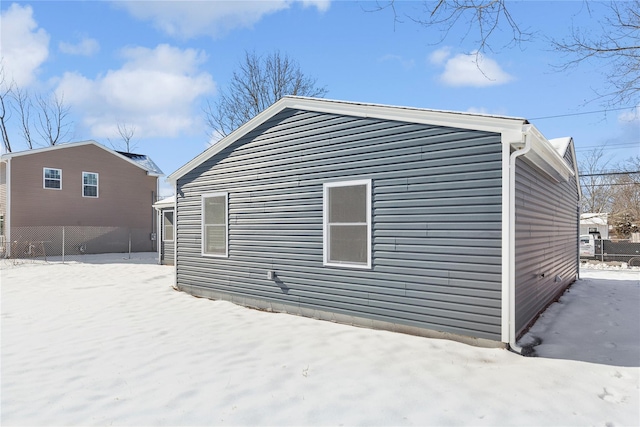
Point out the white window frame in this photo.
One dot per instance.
(173, 226)
(44, 178)
(325, 223)
(91, 185)
(226, 225)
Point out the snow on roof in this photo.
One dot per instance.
(561, 144)
(144, 161)
(165, 203)
(594, 218)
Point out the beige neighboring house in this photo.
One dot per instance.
(99, 195)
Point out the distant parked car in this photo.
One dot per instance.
(587, 246)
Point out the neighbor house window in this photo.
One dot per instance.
(167, 226)
(214, 224)
(347, 224)
(52, 178)
(89, 184)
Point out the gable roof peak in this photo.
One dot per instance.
(144, 163)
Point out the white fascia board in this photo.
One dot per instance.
(227, 140)
(472, 121)
(545, 157)
(49, 148)
(169, 202)
(481, 122)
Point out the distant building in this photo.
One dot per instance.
(595, 223)
(83, 185)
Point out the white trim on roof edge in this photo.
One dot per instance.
(71, 145)
(472, 121)
(543, 155)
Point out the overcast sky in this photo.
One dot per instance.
(153, 65)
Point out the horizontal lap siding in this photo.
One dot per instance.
(167, 252)
(546, 240)
(436, 221)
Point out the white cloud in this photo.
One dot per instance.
(85, 47)
(187, 19)
(472, 69)
(440, 56)
(631, 115)
(154, 91)
(24, 46)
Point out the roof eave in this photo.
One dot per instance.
(472, 121)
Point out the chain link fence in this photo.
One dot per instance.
(72, 242)
(608, 250)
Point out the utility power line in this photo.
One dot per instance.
(583, 113)
(609, 173)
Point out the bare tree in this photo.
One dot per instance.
(617, 44)
(595, 182)
(5, 109)
(481, 18)
(625, 207)
(52, 124)
(126, 133)
(48, 117)
(259, 82)
(23, 106)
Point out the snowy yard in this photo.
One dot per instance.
(109, 342)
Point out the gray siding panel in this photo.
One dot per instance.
(547, 217)
(436, 221)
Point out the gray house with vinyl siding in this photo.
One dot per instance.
(429, 222)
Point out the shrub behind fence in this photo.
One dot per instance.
(74, 241)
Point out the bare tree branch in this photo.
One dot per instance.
(126, 133)
(480, 18)
(52, 123)
(258, 83)
(23, 106)
(617, 45)
(5, 111)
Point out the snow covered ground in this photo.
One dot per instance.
(109, 342)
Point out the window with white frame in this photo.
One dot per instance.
(52, 178)
(214, 224)
(167, 226)
(89, 184)
(347, 224)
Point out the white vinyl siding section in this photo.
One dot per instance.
(52, 178)
(347, 224)
(89, 184)
(214, 225)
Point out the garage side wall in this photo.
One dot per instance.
(436, 221)
(547, 218)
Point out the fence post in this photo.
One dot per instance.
(63, 244)
(129, 243)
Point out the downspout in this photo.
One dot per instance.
(175, 235)
(7, 220)
(512, 239)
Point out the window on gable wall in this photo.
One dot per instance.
(89, 184)
(347, 224)
(52, 178)
(214, 225)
